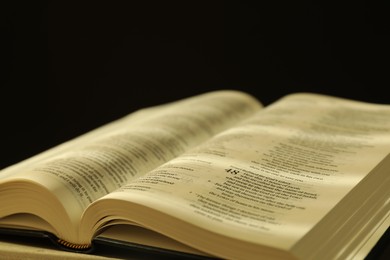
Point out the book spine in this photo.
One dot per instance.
(74, 247)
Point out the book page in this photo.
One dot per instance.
(271, 179)
(102, 163)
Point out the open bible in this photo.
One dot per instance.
(215, 175)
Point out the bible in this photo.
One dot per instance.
(217, 175)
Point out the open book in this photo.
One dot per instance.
(215, 175)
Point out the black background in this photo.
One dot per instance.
(71, 66)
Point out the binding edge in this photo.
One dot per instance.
(71, 246)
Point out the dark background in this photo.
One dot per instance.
(71, 66)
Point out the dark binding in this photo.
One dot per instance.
(100, 246)
(43, 235)
(150, 251)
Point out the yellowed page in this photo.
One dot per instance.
(269, 180)
(88, 168)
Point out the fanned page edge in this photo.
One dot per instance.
(377, 243)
